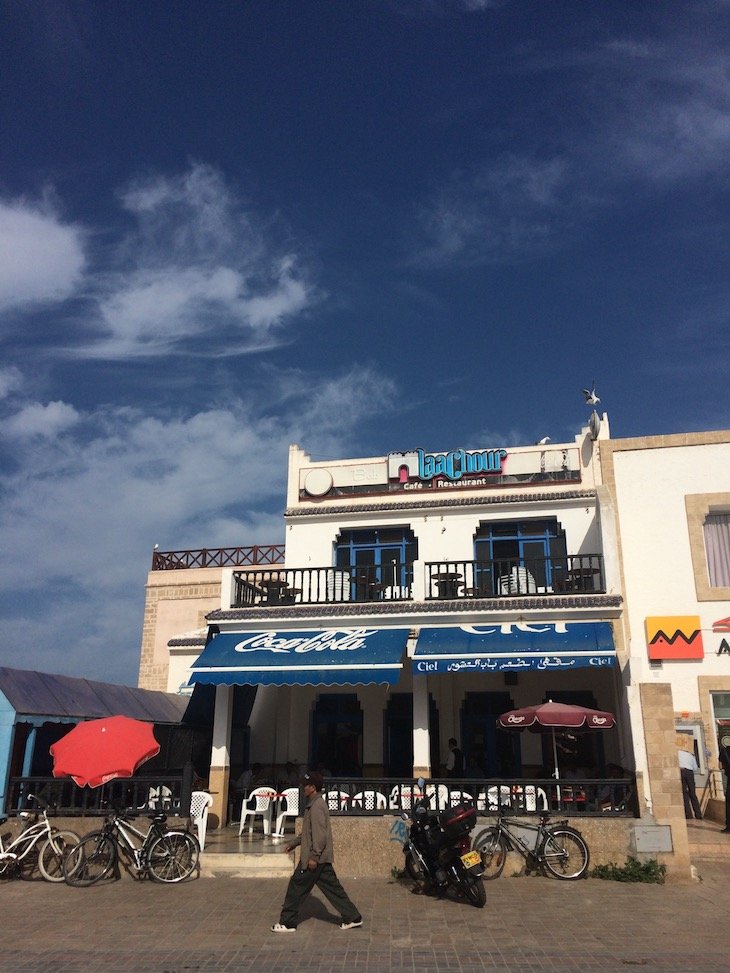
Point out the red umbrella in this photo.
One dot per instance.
(101, 750)
(556, 716)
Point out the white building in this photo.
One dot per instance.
(419, 595)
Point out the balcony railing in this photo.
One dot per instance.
(218, 557)
(576, 798)
(165, 791)
(576, 574)
(308, 586)
(513, 577)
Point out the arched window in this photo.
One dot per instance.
(379, 559)
(536, 547)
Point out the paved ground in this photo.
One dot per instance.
(530, 925)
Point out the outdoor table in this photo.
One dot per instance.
(447, 583)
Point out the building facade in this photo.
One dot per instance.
(420, 595)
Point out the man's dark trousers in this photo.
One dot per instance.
(301, 884)
(689, 793)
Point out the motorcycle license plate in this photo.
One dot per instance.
(471, 858)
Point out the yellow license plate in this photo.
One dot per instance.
(471, 858)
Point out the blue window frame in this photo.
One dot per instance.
(377, 556)
(535, 546)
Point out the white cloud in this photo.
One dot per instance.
(81, 510)
(44, 421)
(501, 211)
(11, 380)
(41, 259)
(197, 274)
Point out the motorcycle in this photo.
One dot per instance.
(438, 850)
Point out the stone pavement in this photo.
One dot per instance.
(530, 925)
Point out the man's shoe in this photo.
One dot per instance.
(280, 927)
(351, 925)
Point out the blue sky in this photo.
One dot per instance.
(357, 226)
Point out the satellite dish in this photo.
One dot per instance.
(594, 424)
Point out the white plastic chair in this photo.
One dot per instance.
(288, 810)
(158, 799)
(200, 801)
(403, 796)
(493, 799)
(534, 797)
(460, 797)
(337, 800)
(438, 795)
(262, 798)
(370, 800)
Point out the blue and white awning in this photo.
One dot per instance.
(321, 657)
(514, 646)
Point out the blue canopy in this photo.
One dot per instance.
(512, 646)
(319, 657)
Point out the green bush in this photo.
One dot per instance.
(633, 871)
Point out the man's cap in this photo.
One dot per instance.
(313, 778)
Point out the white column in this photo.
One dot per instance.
(220, 754)
(421, 741)
(220, 757)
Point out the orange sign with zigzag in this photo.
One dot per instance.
(674, 637)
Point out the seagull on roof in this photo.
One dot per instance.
(590, 394)
(544, 441)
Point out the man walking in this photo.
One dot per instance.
(315, 863)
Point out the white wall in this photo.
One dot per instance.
(651, 485)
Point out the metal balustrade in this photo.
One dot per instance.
(444, 580)
(515, 577)
(159, 792)
(578, 798)
(217, 557)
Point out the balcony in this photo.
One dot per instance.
(443, 580)
(513, 577)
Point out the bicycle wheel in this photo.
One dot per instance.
(53, 850)
(564, 853)
(493, 848)
(91, 860)
(172, 856)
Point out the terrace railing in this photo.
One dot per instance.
(511, 577)
(508, 578)
(323, 585)
(585, 797)
(218, 557)
(163, 792)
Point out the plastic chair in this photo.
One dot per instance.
(403, 796)
(535, 798)
(438, 795)
(370, 801)
(494, 799)
(336, 800)
(262, 798)
(158, 799)
(288, 810)
(460, 797)
(200, 801)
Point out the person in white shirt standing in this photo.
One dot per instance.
(688, 768)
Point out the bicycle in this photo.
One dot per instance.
(38, 844)
(559, 850)
(163, 855)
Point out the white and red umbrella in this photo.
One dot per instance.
(101, 750)
(551, 716)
